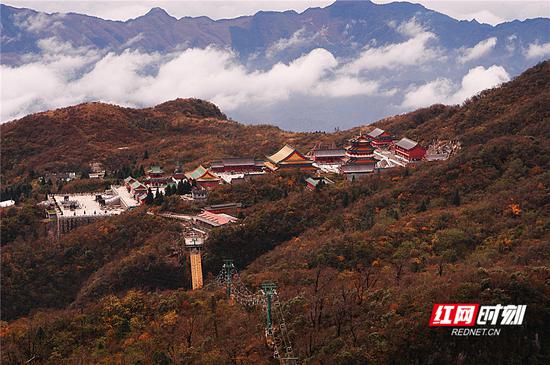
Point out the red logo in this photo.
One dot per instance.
(455, 315)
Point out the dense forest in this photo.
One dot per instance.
(358, 264)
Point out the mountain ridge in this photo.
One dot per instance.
(346, 43)
(111, 134)
(230, 32)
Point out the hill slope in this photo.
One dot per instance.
(186, 131)
(358, 265)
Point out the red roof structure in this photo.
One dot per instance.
(380, 138)
(409, 150)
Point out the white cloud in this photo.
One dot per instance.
(478, 79)
(491, 12)
(443, 90)
(39, 22)
(63, 75)
(413, 52)
(536, 50)
(346, 86)
(433, 92)
(297, 39)
(133, 40)
(411, 28)
(511, 43)
(479, 50)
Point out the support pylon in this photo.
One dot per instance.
(228, 268)
(194, 244)
(269, 289)
(196, 268)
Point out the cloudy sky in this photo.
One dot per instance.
(379, 81)
(485, 11)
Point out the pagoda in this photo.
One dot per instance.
(359, 151)
(359, 158)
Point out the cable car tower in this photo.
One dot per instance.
(275, 330)
(194, 243)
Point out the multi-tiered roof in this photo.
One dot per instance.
(359, 151)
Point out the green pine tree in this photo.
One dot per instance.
(149, 199)
(456, 198)
(179, 189)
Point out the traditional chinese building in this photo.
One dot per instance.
(380, 138)
(128, 181)
(208, 220)
(354, 172)
(155, 177)
(409, 150)
(237, 165)
(328, 156)
(288, 158)
(178, 174)
(204, 178)
(359, 152)
(316, 181)
(155, 172)
(136, 189)
(228, 208)
(359, 159)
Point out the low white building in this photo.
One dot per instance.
(7, 203)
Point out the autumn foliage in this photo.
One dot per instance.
(358, 265)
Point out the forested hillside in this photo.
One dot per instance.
(187, 131)
(358, 264)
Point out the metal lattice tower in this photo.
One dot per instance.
(228, 270)
(276, 331)
(269, 290)
(275, 326)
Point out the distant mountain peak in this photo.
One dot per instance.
(158, 13)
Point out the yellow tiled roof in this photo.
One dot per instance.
(281, 154)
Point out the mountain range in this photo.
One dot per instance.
(365, 60)
(342, 28)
